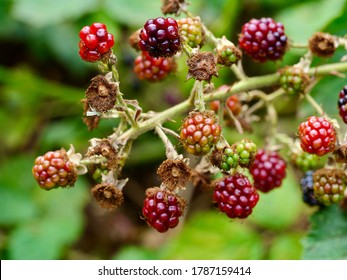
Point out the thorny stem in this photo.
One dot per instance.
(220, 94)
(298, 45)
(199, 101)
(209, 35)
(314, 104)
(124, 154)
(171, 152)
(238, 72)
(119, 96)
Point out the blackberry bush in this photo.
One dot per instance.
(196, 140)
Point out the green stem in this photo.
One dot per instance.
(199, 101)
(298, 45)
(314, 104)
(209, 35)
(119, 96)
(241, 86)
(238, 73)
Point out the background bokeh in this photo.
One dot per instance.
(42, 80)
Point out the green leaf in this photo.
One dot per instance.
(301, 21)
(15, 206)
(59, 224)
(211, 235)
(327, 238)
(279, 208)
(286, 247)
(135, 253)
(50, 12)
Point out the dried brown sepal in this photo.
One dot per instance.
(217, 156)
(107, 57)
(134, 39)
(92, 122)
(107, 195)
(172, 6)
(202, 66)
(182, 203)
(175, 174)
(101, 94)
(322, 44)
(106, 149)
(202, 180)
(343, 204)
(341, 153)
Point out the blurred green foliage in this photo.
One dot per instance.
(42, 80)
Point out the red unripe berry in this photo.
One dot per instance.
(268, 170)
(151, 68)
(317, 136)
(54, 169)
(200, 132)
(162, 209)
(95, 42)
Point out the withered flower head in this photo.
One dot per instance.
(172, 6)
(107, 195)
(341, 153)
(104, 148)
(175, 174)
(101, 94)
(322, 44)
(202, 66)
(91, 122)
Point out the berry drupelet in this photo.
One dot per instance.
(151, 68)
(263, 39)
(54, 169)
(160, 37)
(235, 196)
(95, 42)
(162, 209)
(342, 104)
(268, 170)
(317, 136)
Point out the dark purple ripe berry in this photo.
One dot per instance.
(342, 104)
(160, 37)
(263, 39)
(235, 196)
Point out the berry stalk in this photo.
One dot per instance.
(220, 94)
